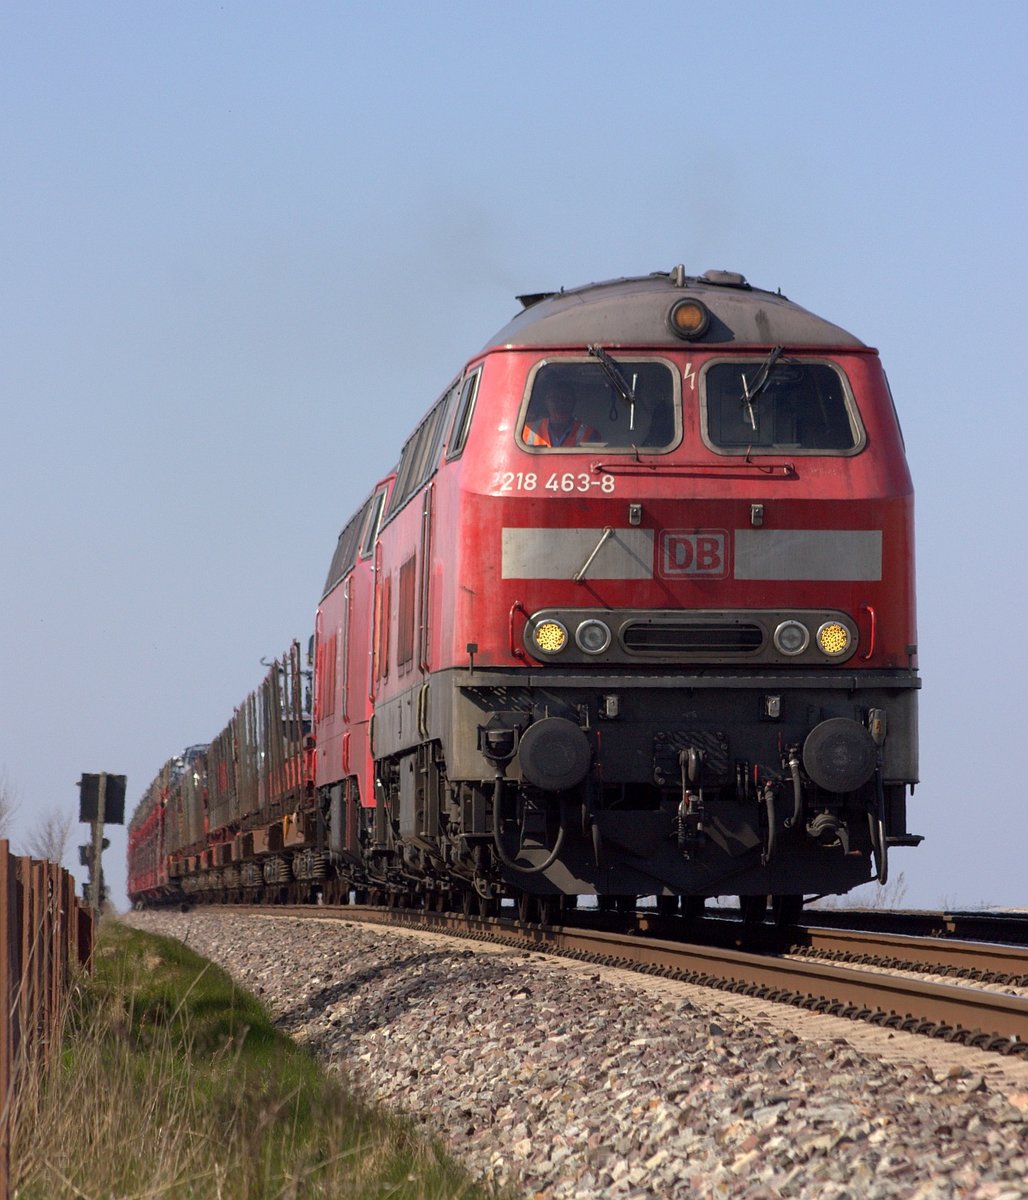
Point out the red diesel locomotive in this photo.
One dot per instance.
(634, 615)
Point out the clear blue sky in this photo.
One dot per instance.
(244, 245)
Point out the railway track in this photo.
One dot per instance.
(1008, 927)
(982, 962)
(859, 944)
(801, 966)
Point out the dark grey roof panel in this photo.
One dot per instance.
(634, 312)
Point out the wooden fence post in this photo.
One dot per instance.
(10, 973)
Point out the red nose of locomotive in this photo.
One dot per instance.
(695, 570)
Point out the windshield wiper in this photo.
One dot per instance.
(749, 394)
(613, 371)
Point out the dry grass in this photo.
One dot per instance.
(869, 895)
(173, 1084)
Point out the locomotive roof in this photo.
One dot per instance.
(634, 311)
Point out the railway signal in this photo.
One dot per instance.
(101, 799)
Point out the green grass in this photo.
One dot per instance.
(173, 1083)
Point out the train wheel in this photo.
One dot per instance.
(549, 909)
(526, 907)
(752, 909)
(786, 910)
(667, 906)
(467, 902)
(694, 907)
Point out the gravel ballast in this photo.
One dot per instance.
(572, 1082)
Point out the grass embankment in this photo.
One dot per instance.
(173, 1083)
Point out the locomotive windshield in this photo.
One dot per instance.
(777, 405)
(582, 404)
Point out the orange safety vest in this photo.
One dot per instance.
(538, 434)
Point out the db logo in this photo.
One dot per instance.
(693, 552)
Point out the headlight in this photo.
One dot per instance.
(550, 636)
(791, 638)
(593, 637)
(833, 639)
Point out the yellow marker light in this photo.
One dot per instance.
(688, 319)
(833, 638)
(550, 636)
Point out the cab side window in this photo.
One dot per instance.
(346, 549)
(462, 417)
(371, 527)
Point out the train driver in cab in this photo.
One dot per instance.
(559, 426)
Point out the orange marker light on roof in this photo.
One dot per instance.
(688, 319)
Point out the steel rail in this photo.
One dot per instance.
(991, 961)
(995, 960)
